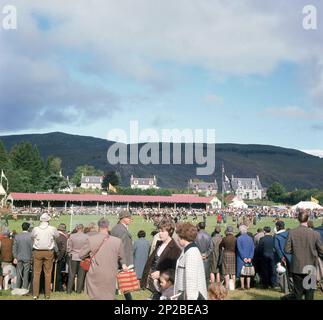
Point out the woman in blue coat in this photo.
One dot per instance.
(245, 254)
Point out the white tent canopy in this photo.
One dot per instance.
(238, 204)
(306, 205)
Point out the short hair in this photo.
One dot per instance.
(187, 231)
(170, 275)
(267, 229)
(142, 234)
(168, 226)
(25, 226)
(201, 226)
(217, 230)
(80, 227)
(260, 230)
(303, 216)
(103, 224)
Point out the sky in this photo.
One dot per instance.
(247, 69)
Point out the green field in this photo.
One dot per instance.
(139, 224)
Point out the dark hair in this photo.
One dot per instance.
(141, 234)
(187, 231)
(153, 233)
(25, 226)
(310, 224)
(260, 230)
(217, 230)
(267, 229)
(168, 226)
(201, 226)
(303, 216)
(170, 274)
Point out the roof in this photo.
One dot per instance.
(246, 183)
(144, 181)
(109, 198)
(91, 179)
(204, 185)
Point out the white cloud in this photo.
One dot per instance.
(144, 39)
(315, 152)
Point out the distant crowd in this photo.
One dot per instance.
(183, 262)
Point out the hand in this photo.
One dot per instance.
(204, 256)
(246, 260)
(15, 261)
(212, 277)
(125, 268)
(283, 261)
(155, 275)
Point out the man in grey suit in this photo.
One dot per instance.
(305, 246)
(23, 253)
(121, 231)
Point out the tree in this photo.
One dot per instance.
(86, 170)
(20, 180)
(110, 177)
(3, 157)
(275, 192)
(55, 183)
(53, 165)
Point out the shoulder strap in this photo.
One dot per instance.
(98, 249)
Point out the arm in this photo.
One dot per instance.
(319, 246)
(191, 273)
(69, 245)
(277, 249)
(14, 249)
(289, 245)
(86, 250)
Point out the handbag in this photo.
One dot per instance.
(128, 282)
(85, 264)
(248, 270)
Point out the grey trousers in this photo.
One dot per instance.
(23, 269)
(73, 270)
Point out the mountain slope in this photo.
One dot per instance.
(292, 168)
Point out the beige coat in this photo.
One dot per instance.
(100, 283)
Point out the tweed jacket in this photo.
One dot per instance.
(305, 245)
(121, 232)
(190, 274)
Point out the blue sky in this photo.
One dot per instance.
(248, 70)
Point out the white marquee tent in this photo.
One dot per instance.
(238, 204)
(306, 205)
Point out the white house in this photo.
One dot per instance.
(245, 188)
(91, 182)
(143, 183)
(209, 188)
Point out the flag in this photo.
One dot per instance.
(3, 176)
(314, 200)
(112, 188)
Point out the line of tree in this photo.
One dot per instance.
(278, 194)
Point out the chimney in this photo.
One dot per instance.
(258, 178)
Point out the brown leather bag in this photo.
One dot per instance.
(85, 264)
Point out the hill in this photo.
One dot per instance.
(290, 167)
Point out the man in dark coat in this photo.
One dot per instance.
(61, 260)
(266, 259)
(320, 231)
(23, 255)
(280, 239)
(121, 231)
(141, 253)
(306, 246)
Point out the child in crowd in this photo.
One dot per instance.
(217, 291)
(166, 284)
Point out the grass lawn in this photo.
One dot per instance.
(139, 224)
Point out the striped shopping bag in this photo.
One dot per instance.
(128, 282)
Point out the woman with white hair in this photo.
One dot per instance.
(245, 254)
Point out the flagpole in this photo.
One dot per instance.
(223, 184)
